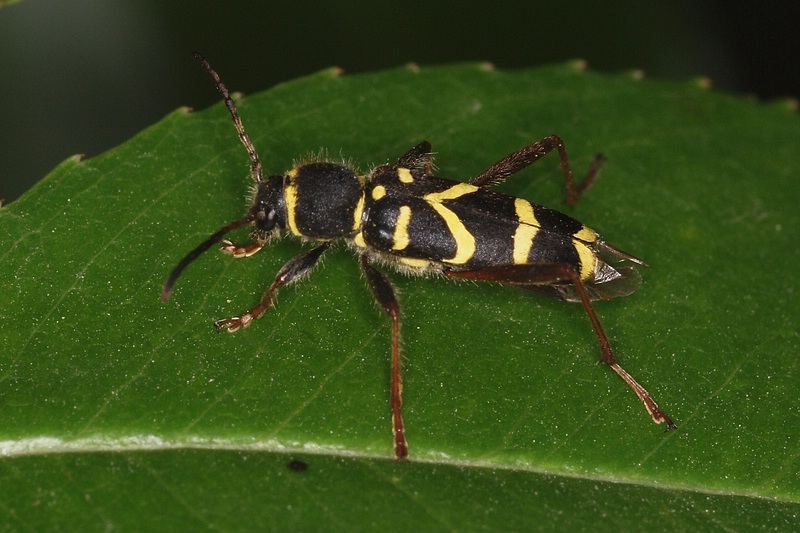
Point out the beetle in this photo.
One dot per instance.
(402, 216)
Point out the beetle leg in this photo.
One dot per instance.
(292, 271)
(513, 163)
(418, 157)
(384, 294)
(238, 251)
(552, 273)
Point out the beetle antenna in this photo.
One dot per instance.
(256, 169)
(197, 252)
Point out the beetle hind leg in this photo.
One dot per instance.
(550, 274)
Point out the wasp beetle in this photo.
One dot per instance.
(402, 216)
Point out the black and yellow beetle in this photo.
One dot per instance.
(402, 216)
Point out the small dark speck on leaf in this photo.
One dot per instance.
(297, 465)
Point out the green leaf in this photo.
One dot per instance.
(121, 411)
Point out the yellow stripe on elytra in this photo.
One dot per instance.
(585, 234)
(401, 240)
(465, 241)
(456, 191)
(581, 240)
(404, 175)
(413, 262)
(526, 230)
(587, 257)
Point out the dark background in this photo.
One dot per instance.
(81, 76)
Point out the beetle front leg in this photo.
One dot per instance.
(552, 273)
(292, 271)
(239, 251)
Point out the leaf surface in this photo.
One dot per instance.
(118, 409)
